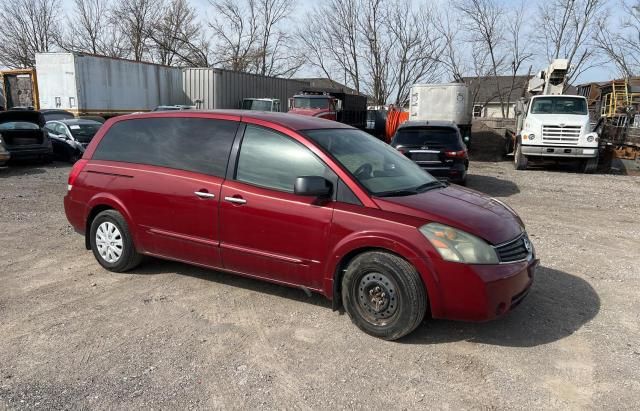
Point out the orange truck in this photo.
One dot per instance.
(19, 89)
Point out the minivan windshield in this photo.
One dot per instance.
(313, 103)
(383, 171)
(430, 137)
(559, 105)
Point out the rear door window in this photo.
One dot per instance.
(192, 144)
(439, 138)
(271, 160)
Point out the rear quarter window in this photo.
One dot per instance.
(191, 144)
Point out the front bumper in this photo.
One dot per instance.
(559, 151)
(483, 292)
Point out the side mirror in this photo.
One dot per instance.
(312, 186)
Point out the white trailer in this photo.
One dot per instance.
(449, 102)
(102, 86)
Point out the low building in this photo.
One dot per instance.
(486, 98)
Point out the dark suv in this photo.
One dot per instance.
(436, 146)
(302, 202)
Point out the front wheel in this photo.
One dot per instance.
(383, 295)
(520, 161)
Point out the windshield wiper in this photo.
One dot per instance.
(397, 193)
(430, 186)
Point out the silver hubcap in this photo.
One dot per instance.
(109, 242)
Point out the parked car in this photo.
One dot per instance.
(24, 136)
(56, 114)
(71, 137)
(436, 146)
(303, 202)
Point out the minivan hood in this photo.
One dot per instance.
(466, 209)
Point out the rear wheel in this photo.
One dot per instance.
(520, 161)
(383, 295)
(111, 242)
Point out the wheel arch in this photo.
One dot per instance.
(333, 287)
(102, 203)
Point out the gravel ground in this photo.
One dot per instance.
(168, 335)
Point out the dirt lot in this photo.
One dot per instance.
(173, 336)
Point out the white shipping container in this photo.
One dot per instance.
(212, 88)
(96, 85)
(449, 101)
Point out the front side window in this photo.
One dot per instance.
(382, 170)
(192, 144)
(559, 105)
(271, 160)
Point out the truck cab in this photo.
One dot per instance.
(555, 127)
(261, 104)
(320, 105)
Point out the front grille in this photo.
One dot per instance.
(515, 250)
(567, 135)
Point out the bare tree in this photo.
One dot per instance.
(28, 27)
(337, 48)
(90, 32)
(517, 46)
(236, 29)
(484, 22)
(451, 56)
(135, 19)
(415, 48)
(277, 57)
(377, 43)
(568, 27)
(175, 34)
(622, 46)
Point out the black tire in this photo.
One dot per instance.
(520, 161)
(590, 165)
(74, 156)
(129, 257)
(396, 297)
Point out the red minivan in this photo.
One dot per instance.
(302, 202)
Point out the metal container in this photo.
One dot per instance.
(96, 85)
(212, 88)
(449, 101)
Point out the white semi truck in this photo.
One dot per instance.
(552, 126)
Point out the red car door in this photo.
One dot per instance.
(172, 186)
(266, 230)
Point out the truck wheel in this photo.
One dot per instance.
(111, 242)
(383, 295)
(520, 161)
(590, 165)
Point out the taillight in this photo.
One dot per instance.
(75, 172)
(455, 154)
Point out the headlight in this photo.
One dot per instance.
(458, 246)
(590, 139)
(532, 136)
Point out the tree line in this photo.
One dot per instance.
(377, 47)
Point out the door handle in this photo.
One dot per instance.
(235, 200)
(203, 194)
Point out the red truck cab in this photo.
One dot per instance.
(320, 105)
